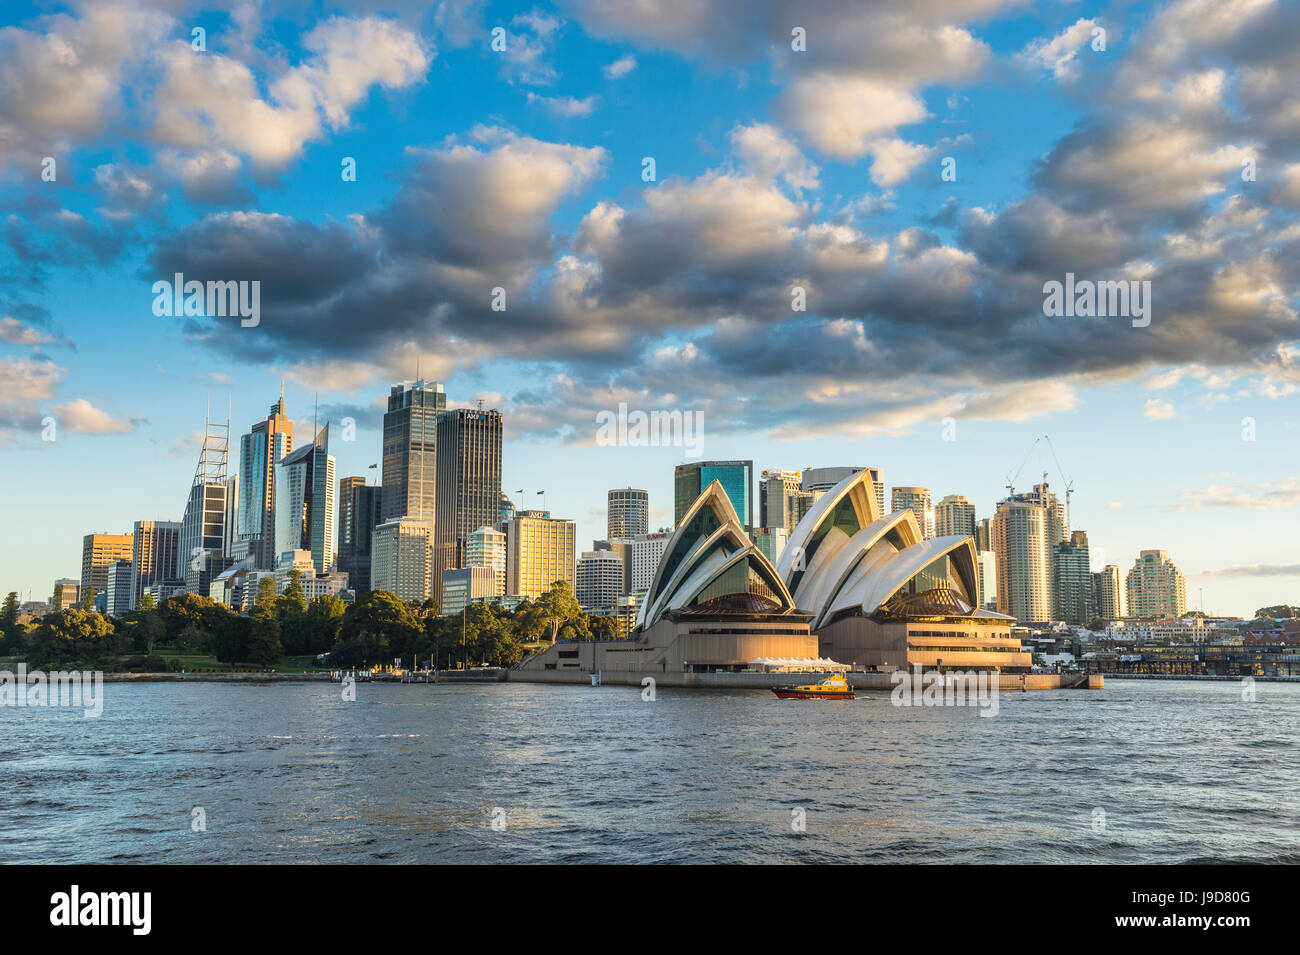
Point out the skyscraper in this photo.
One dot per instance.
(304, 502)
(205, 548)
(627, 514)
(917, 500)
(486, 547)
(1156, 588)
(778, 492)
(359, 507)
(468, 484)
(1073, 580)
(1109, 593)
(540, 550)
(399, 561)
(736, 477)
(266, 443)
(67, 593)
(98, 551)
(119, 588)
(1022, 544)
(954, 515)
(155, 556)
(410, 465)
(599, 580)
(820, 480)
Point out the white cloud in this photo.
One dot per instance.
(767, 154)
(843, 115)
(565, 106)
(619, 68)
(1058, 54)
(1158, 410)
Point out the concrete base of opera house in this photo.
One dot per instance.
(963, 643)
(763, 681)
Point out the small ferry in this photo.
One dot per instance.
(832, 688)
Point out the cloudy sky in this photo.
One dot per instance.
(919, 168)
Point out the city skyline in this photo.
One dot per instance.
(782, 177)
(1098, 560)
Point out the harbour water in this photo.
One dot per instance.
(1140, 772)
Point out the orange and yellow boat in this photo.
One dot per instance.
(832, 688)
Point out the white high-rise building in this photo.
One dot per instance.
(399, 558)
(599, 582)
(1156, 588)
(486, 547)
(917, 500)
(647, 551)
(628, 513)
(1110, 593)
(954, 516)
(1022, 540)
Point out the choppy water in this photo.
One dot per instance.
(290, 773)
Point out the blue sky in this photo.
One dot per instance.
(521, 168)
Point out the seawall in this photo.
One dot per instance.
(763, 681)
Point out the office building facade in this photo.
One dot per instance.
(305, 516)
(916, 500)
(468, 484)
(540, 550)
(598, 582)
(627, 513)
(260, 450)
(98, 551)
(399, 560)
(1073, 581)
(955, 515)
(1156, 587)
(736, 478)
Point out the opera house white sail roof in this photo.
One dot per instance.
(711, 565)
(846, 558)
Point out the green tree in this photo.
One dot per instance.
(264, 644)
(1278, 612)
(9, 611)
(558, 606)
(71, 637)
(377, 628)
(88, 598)
(145, 624)
(10, 633)
(182, 612)
(321, 623)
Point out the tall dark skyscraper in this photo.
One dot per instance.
(736, 477)
(410, 462)
(468, 484)
(304, 502)
(359, 510)
(204, 546)
(266, 443)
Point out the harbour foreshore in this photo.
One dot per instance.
(716, 681)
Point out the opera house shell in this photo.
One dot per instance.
(881, 595)
(715, 605)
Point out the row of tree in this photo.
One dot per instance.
(378, 628)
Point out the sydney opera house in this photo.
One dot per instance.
(853, 585)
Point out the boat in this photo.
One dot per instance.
(832, 688)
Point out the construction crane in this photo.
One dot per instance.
(1069, 485)
(1011, 478)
